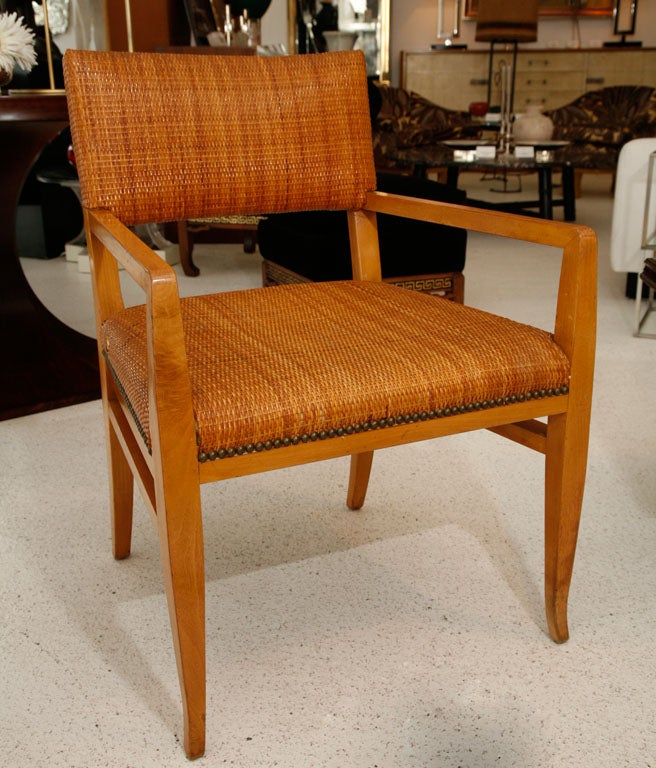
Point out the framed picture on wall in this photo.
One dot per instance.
(560, 7)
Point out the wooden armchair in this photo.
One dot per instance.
(211, 387)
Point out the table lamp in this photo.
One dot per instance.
(506, 21)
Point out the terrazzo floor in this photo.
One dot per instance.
(407, 635)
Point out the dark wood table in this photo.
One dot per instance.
(44, 363)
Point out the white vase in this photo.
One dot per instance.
(532, 125)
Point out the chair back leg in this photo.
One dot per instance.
(185, 249)
(121, 490)
(359, 479)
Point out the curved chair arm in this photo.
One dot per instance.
(577, 289)
(167, 360)
(575, 321)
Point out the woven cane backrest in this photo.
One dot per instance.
(176, 136)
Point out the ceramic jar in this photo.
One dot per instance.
(532, 125)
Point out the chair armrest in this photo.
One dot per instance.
(141, 263)
(575, 322)
(169, 386)
(527, 228)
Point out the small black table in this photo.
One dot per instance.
(462, 157)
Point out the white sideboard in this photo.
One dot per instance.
(548, 77)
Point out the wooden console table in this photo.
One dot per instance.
(45, 364)
(549, 77)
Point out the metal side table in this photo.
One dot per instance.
(648, 275)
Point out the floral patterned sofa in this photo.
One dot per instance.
(599, 123)
(406, 119)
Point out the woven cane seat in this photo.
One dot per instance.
(303, 379)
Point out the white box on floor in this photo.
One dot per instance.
(72, 251)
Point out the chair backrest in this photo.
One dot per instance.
(172, 136)
(626, 252)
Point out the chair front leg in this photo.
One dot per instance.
(181, 547)
(565, 467)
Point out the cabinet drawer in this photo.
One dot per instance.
(539, 61)
(447, 91)
(649, 68)
(617, 68)
(551, 100)
(543, 82)
(451, 64)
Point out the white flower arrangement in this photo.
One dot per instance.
(16, 43)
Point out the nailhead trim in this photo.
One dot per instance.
(368, 426)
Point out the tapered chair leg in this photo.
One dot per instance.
(181, 546)
(566, 459)
(186, 248)
(359, 479)
(121, 490)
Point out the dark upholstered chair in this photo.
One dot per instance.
(414, 254)
(206, 388)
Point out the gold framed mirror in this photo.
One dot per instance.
(559, 8)
(625, 17)
(361, 24)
